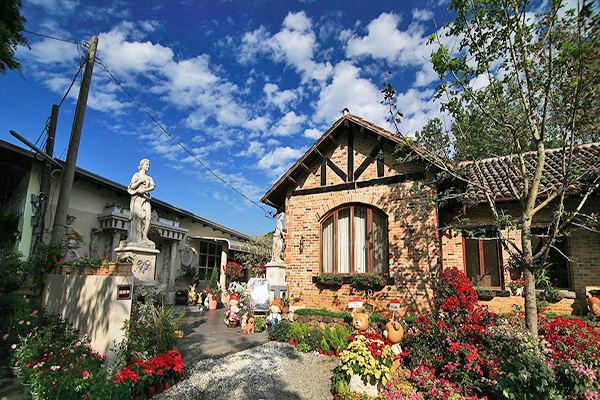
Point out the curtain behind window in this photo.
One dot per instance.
(344, 243)
(379, 243)
(360, 239)
(328, 245)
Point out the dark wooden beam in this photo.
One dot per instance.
(337, 170)
(319, 153)
(350, 156)
(417, 176)
(367, 161)
(330, 137)
(305, 167)
(291, 180)
(324, 172)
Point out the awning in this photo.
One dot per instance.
(231, 244)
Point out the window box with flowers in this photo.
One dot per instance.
(369, 281)
(329, 280)
(516, 287)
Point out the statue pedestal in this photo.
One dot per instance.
(144, 261)
(276, 275)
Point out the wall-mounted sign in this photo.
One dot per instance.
(123, 292)
(355, 303)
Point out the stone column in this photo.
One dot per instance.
(172, 266)
(116, 238)
(223, 278)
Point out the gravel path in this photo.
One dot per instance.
(271, 371)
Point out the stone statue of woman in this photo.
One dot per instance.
(278, 237)
(141, 213)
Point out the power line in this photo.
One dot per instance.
(267, 213)
(52, 37)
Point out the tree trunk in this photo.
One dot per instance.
(531, 317)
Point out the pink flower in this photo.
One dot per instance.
(78, 344)
(14, 346)
(54, 367)
(21, 322)
(86, 374)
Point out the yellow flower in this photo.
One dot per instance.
(28, 323)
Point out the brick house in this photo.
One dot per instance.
(354, 203)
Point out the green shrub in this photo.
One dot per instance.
(324, 312)
(304, 348)
(281, 332)
(259, 324)
(324, 345)
(315, 335)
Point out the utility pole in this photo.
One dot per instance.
(38, 229)
(60, 218)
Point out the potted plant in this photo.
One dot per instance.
(233, 271)
(285, 305)
(213, 289)
(551, 294)
(369, 281)
(327, 279)
(181, 296)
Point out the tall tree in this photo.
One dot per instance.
(518, 82)
(12, 24)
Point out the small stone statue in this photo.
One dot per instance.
(141, 212)
(278, 238)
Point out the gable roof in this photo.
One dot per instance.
(499, 173)
(275, 197)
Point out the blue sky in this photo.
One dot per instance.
(247, 86)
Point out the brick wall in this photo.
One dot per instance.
(412, 231)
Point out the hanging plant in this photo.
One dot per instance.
(369, 281)
(329, 279)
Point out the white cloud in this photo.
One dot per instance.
(313, 133)
(383, 40)
(52, 51)
(289, 124)
(256, 148)
(349, 90)
(280, 99)
(422, 14)
(278, 161)
(295, 45)
(257, 124)
(56, 7)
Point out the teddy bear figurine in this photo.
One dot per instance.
(394, 333)
(249, 328)
(360, 321)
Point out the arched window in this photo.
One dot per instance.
(354, 238)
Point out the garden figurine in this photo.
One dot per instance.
(360, 321)
(206, 300)
(232, 315)
(394, 333)
(275, 316)
(244, 321)
(249, 328)
(141, 213)
(192, 295)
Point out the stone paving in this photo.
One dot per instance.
(207, 336)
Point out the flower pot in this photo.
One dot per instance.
(150, 391)
(168, 384)
(295, 343)
(594, 303)
(337, 353)
(181, 299)
(331, 353)
(320, 351)
(292, 341)
(159, 388)
(212, 301)
(26, 387)
(178, 377)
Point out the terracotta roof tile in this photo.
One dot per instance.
(502, 175)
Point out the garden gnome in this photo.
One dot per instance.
(275, 317)
(232, 317)
(360, 321)
(394, 333)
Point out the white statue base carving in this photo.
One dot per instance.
(144, 261)
(276, 273)
(370, 388)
